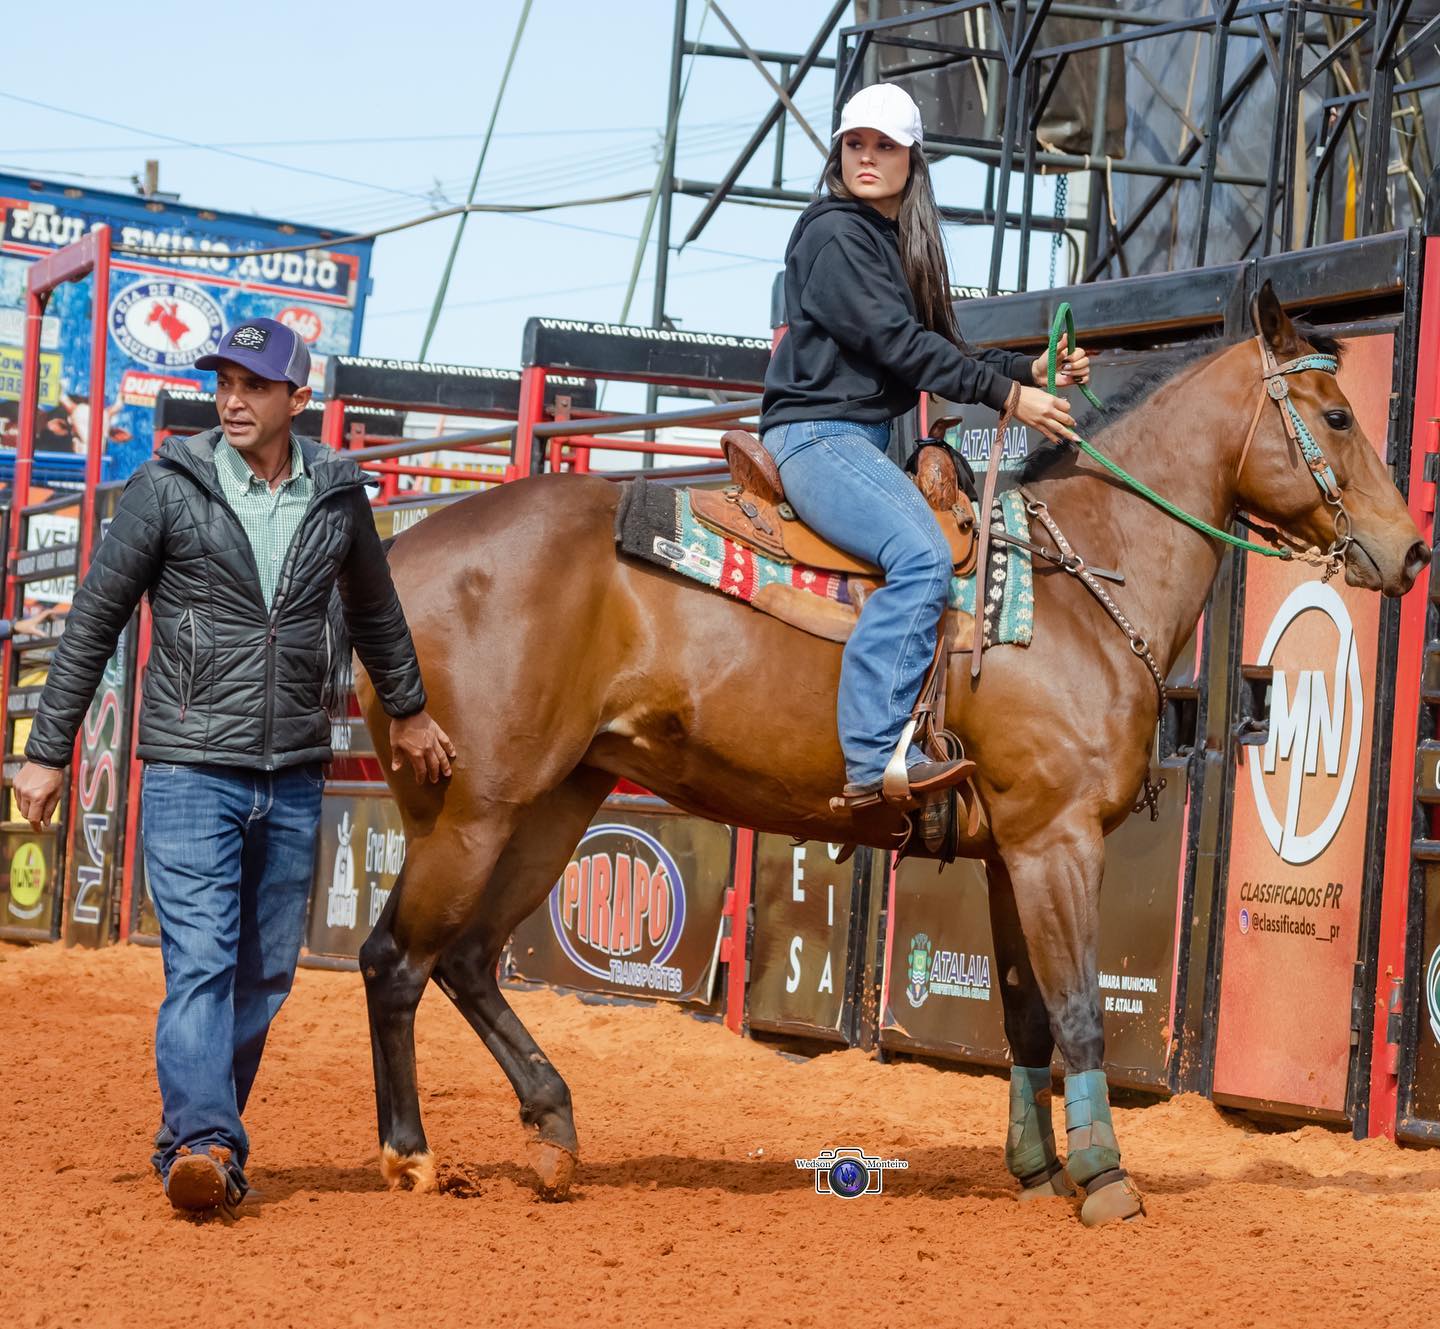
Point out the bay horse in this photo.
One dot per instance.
(557, 665)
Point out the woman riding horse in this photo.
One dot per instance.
(867, 299)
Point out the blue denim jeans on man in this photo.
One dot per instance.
(840, 482)
(229, 861)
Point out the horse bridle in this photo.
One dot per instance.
(1275, 387)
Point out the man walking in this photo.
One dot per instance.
(238, 536)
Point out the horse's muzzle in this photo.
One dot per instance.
(1417, 559)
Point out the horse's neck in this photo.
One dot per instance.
(1184, 447)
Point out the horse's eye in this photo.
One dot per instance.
(1338, 419)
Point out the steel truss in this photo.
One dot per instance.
(1341, 79)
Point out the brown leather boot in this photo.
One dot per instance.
(197, 1184)
(929, 776)
(925, 778)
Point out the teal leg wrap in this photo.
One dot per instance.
(1030, 1146)
(1090, 1134)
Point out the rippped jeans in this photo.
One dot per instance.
(840, 482)
(229, 861)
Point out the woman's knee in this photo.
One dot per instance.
(922, 558)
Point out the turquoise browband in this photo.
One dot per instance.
(1299, 430)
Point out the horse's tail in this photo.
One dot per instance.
(339, 672)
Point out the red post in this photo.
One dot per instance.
(332, 424)
(532, 412)
(95, 444)
(20, 483)
(1399, 830)
(733, 949)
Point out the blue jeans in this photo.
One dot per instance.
(229, 859)
(840, 482)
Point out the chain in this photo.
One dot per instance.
(1062, 194)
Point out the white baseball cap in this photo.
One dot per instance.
(884, 107)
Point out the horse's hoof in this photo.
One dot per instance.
(554, 1168)
(1119, 1202)
(416, 1170)
(1057, 1183)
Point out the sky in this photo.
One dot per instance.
(358, 115)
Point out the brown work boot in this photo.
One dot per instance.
(927, 777)
(197, 1183)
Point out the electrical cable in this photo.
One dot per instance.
(149, 251)
(225, 152)
(474, 182)
(667, 168)
(570, 170)
(371, 314)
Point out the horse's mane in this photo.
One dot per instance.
(1155, 371)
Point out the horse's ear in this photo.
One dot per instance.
(1272, 323)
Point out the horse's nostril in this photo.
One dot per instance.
(1417, 558)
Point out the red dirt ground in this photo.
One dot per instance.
(677, 1215)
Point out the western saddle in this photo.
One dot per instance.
(753, 512)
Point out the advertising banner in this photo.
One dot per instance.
(803, 901)
(942, 980)
(941, 992)
(1293, 900)
(97, 822)
(942, 986)
(164, 313)
(636, 912)
(361, 852)
(29, 892)
(1424, 1089)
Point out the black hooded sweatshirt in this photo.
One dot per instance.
(856, 349)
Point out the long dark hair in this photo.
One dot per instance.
(922, 254)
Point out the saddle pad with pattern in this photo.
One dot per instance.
(654, 523)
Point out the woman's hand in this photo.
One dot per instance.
(1049, 414)
(1070, 367)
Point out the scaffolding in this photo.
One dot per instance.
(1297, 122)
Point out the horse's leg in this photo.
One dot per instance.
(1056, 878)
(531, 864)
(444, 874)
(1030, 1144)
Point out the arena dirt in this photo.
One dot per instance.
(688, 1209)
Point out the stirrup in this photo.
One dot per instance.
(894, 786)
(852, 800)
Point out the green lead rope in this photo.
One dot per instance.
(1065, 322)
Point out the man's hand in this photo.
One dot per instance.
(37, 791)
(1070, 367)
(33, 626)
(420, 740)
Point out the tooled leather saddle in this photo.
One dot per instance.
(754, 512)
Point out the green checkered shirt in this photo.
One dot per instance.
(270, 518)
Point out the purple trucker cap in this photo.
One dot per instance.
(264, 347)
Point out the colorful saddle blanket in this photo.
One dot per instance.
(654, 523)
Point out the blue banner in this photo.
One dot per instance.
(164, 312)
